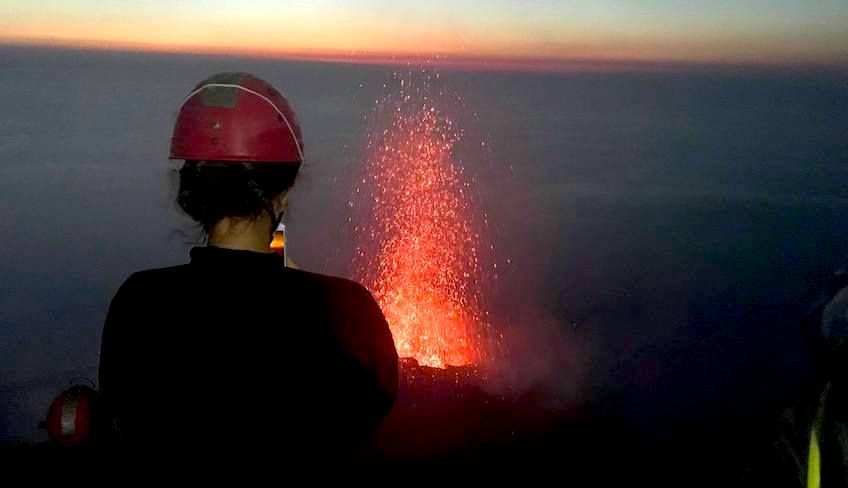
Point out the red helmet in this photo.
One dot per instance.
(72, 417)
(237, 117)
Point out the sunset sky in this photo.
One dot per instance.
(746, 31)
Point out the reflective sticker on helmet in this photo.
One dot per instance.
(219, 96)
(225, 79)
(69, 415)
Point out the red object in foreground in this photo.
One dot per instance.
(70, 419)
(237, 117)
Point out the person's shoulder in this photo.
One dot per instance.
(333, 286)
(152, 277)
(154, 274)
(359, 324)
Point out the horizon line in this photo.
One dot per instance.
(465, 62)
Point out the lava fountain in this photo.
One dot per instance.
(418, 250)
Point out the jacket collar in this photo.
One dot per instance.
(217, 256)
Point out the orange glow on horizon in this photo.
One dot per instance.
(589, 58)
(498, 34)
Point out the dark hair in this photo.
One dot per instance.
(212, 190)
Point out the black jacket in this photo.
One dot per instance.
(233, 349)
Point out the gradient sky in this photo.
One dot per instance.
(761, 31)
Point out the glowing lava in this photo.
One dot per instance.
(418, 250)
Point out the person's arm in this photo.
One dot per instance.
(113, 355)
(363, 332)
(384, 358)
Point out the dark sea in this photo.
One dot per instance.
(670, 228)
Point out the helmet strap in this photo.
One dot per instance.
(275, 219)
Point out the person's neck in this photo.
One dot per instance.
(242, 234)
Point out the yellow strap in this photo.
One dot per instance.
(814, 462)
(814, 458)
